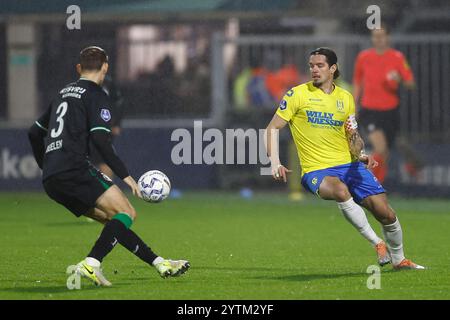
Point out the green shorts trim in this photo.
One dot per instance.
(102, 178)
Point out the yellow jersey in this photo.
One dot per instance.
(316, 120)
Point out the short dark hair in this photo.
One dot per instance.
(330, 56)
(92, 58)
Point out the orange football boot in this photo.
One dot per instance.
(383, 254)
(408, 264)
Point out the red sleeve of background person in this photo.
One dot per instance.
(371, 72)
(358, 73)
(405, 69)
(280, 81)
(273, 85)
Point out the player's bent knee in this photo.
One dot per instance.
(341, 193)
(385, 214)
(387, 220)
(132, 213)
(390, 218)
(129, 210)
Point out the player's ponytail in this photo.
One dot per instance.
(337, 73)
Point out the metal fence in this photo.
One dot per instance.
(424, 111)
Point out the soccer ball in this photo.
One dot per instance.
(154, 186)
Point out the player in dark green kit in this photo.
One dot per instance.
(81, 113)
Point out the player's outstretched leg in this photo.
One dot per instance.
(392, 230)
(133, 243)
(91, 266)
(357, 217)
(332, 188)
(110, 202)
(165, 268)
(112, 231)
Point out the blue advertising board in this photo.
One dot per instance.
(146, 149)
(140, 149)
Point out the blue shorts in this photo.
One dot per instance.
(359, 180)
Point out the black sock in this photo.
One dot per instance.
(134, 244)
(109, 237)
(115, 231)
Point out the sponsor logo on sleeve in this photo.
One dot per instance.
(105, 115)
(283, 105)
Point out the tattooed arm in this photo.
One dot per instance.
(356, 143)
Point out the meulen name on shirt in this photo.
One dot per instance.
(55, 145)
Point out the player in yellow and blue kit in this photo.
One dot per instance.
(321, 117)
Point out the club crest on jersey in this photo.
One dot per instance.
(283, 104)
(105, 115)
(340, 105)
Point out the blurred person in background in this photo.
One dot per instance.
(240, 97)
(279, 82)
(163, 88)
(155, 92)
(249, 86)
(265, 81)
(257, 89)
(260, 86)
(195, 86)
(378, 73)
(283, 78)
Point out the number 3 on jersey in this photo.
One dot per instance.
(60, 112)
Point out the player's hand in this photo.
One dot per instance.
(394, 75)
(280, 172)
(368, 160)
(133, 186)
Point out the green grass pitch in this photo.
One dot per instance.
(263, 248)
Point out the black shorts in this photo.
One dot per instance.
(387, 121)
(77, 190)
